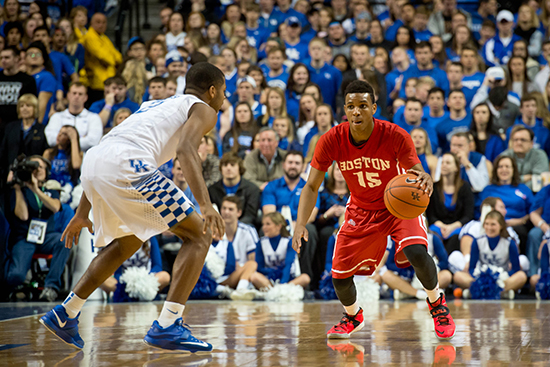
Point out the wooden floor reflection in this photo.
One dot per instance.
(511, 333)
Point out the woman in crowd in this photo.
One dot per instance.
(239, 138)
(424, 149)
(461, 38)
(487, 141)
(79, 18)
(65, 157)
(120, 115)
(519, 82)
(451, 204)
(74, 50)
(175, 35)
(494, 248)
(277, 260)
(306, 117)
(136, 78)
(324, 121)
(196, 22)
(284, 127)
(298, 78)
(517, 197)
(438, 49)
(214, 38)
(275, 107)
(527, 27)
(405, 39)
(341, 62)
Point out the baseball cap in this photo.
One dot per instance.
(363, 15)
(248, 79)
(293, 21)
(134, 40)
(505, 15)
(496, 72)
(173, 56)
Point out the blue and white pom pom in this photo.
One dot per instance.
(214, 263)
(488, 283)
(326, 288)
(206, 286)
(139, 283)
(367, 289)
(543, 286)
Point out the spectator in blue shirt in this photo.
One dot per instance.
(487, 10)
(405, 39)
(40, 67)
(420, 24)
(498, 50)
(435, 111)
(326, 76)
(256, 34)
(298, 78)
(487, 140)
(276, 76)
(394, 79)
(413, 118)
(455, 73)
(529, 119)
(459, 119)
(425, 67)
(472, 78)
(283, 194)
(284, 11)
(462, 37)
(115, 98)
(361, 27)
(296, 49)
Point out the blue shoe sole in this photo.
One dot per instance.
(177, 348)
(52, 328)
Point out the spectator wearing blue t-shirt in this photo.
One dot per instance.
(326, 76)
(284, 11)
(529, 119)
(276, 76)
(420, 24)
(425, 67)
(337, 40)
(412, 118)
(361, 27)
(462, 37)
(455, 73)
(256, 34)
(298, 79)
(245, 93)
(115, 98)
(39, 66)
(487, 10)
(394, 79)
(459, 119)
(472, 78)
(498, 50)
(487, 140)
(296, 49)
(283, 195)
(435, 111)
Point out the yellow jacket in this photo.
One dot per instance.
(101, 58)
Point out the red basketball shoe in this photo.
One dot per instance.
(443, 321)
(445, 355)
(347, 326)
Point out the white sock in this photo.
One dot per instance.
(420, 294)
(433, 295)
(243, 284)
(170, 312)
(73, 304)
(353, 309)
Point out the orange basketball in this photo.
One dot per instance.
(404, 199)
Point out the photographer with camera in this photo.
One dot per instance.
(23, 136)
(32, 225)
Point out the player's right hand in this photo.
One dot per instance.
(299, 232)
(214, 221)
(72, 232)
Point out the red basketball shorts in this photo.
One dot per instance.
(363, 237)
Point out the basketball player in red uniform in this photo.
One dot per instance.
(370, 153)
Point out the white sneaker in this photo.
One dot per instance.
(466, 294)
(243, 295)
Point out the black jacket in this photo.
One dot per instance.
(247, 192)
(13, 144)
(464, 210)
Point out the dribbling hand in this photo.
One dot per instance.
(424, 180)
(299, 233)
(72, 232)
(214, 221)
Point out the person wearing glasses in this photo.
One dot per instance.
(39, 66)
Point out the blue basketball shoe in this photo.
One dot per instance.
(58, 322)
(175, 337)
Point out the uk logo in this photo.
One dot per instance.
(138, 166)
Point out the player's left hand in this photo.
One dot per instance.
(424, 181)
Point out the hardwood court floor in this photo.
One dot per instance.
(491, 333)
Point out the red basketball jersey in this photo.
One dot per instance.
(369, 167)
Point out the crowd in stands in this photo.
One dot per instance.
(469, 80)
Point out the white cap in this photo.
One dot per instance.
(505, 15)
(248, 79)
(496, 72)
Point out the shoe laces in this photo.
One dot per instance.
(180, 324)
(346, 319)
(441, 312)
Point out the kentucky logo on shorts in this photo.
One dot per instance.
(138, 165)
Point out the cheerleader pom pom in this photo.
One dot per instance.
(76, 195)
(367, 290)
(205, 287)
(326, 288)
(485, 286)
(140, 284)
(214, 263)
(543, 286)
(285, 293)
(120, 295)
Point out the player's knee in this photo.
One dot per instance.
(342, 284)
(416, 254)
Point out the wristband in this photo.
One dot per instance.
(108, 107)
(541, 223)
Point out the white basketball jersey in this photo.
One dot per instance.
(276, 258)
(156, 127)
(500, 256)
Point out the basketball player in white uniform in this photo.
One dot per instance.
(132, 201)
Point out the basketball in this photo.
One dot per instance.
(404, 199)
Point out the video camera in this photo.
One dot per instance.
(22, 168)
